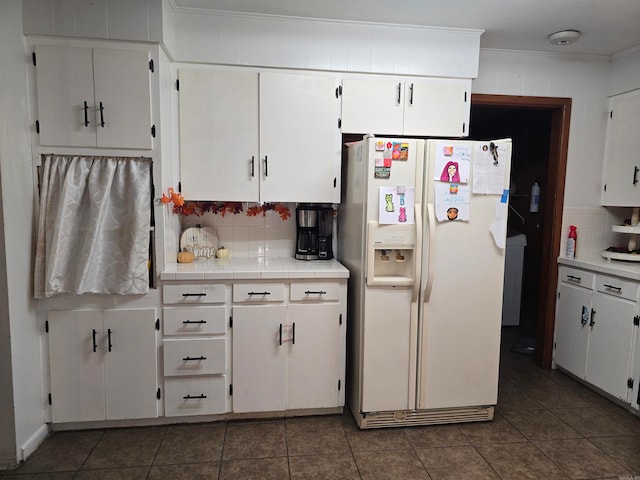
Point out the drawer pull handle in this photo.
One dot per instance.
(194, 397)
(194, 294)
(95, 345)
(187, 322)
(109, 337)
(259, 293)
(280, 335)
(191, 359)
(612, 287)
(593, 318)
(315, 292)
(574, 278)
(293, 330)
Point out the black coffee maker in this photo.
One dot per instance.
(314, 235)
(325, 233)
(307, 232)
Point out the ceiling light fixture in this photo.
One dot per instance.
(565, 37)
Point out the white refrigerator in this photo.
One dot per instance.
(422, 229)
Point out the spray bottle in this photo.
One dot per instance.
(572, 241)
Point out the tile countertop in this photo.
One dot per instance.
(259, 268)
(630, 270)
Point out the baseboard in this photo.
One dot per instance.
(33, 442)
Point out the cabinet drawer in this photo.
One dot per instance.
(258, 292)
(327, 292)
(575, 276)
(194, 356)
(195, 395)
(617, 287)
(194, 320)
(197, 293)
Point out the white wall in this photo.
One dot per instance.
(625, 72)
(18, 211)
(139, 20)
(270, 41)
(585, 81)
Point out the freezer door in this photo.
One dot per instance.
(388, 372)
(461, 298)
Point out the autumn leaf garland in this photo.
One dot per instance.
(199, 208)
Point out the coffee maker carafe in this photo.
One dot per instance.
(307, 233)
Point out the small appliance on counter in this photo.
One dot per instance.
(325, 233)
(314, 232)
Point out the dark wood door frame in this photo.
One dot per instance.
(560, 109)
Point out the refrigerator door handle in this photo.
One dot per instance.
(416, 264)
(432, 235)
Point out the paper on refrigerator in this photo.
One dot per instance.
(396, 205)
(489, 163)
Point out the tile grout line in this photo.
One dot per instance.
(224, 442)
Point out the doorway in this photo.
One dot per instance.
(539, 127)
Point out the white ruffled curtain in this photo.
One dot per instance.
(93, 228)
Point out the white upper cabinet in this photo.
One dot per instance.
(247, 136)
(434, 107)
(300, 138)
(219, 135)
(621, 174)
(93, 97)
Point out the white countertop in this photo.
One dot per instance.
(630, 270)
(258, 268)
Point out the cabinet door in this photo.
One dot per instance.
(259, 358)
(314, 373)
(610, 342)
(76, 362)
(372, 106)
(634, 394)
(64, 78)
(131, 379)
(437, 107)
(622, 163)
(219, 135)
(122, 98)
(573, 314)
(300, 142)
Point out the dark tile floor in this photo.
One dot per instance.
(546, 427)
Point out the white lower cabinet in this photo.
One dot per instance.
(596, 332)
(289, 354)
(572, 328)
(610, 344)
(260, 334)
(314, 374)
(196, 349)
(103, 364)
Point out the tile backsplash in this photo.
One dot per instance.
(594, 229)
(246, 236)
